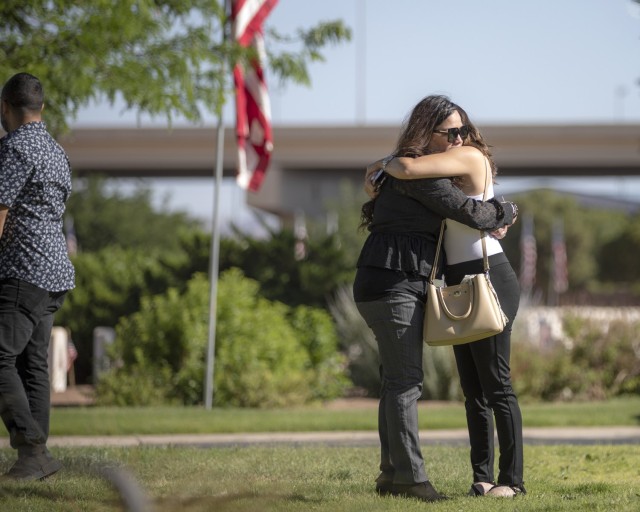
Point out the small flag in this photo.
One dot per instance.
(528, 255)
(70, 236)
(301, 236)
(253, 110)
(560, 268)
(72, 354)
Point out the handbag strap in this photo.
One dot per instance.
(485, 258)
(432, 276)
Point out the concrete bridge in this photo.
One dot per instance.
(309, 163)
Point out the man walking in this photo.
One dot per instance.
(35, 270)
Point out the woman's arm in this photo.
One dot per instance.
(443, 197)
(466, 162)
(461, 161)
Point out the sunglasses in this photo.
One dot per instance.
(452, 133)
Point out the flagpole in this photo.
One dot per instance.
(215, 239)
(361, 65)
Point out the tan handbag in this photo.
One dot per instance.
(466, 312)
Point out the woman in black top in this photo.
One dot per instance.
(390, 291)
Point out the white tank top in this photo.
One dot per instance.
(462, 243)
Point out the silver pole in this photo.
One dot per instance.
(214, 266)
(215, 244)
(361, 64)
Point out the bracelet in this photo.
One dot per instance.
(514, 208)
(386, 160)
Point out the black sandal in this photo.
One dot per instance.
(477, 489)
(506, 491)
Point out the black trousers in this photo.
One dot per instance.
(26, 320)
(485, 377)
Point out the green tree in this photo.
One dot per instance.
(346, 211)
(272, 262)
(618, 261)
(105, 217)
(161, 57)
(129, 252)
(585, 229)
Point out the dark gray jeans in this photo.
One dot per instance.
(26, 319)
(396, 320)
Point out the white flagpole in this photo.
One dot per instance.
(215, 240)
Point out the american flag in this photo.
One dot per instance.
(253, 110)
(528, 255)
(559, 249)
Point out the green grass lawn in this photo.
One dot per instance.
(277, 478)
(194, 420)
(321, 478)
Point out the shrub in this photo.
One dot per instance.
(109, 285)
(358, 343)
(597, 360)
(162, 346)
(123, 388)
(441, 380)
(316, 332)
(266, 354)
(259, 361)
(605, 355)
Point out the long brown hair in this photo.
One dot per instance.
(416, 134)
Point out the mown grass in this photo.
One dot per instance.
(315, 477)
(322, 478)
(195, 420)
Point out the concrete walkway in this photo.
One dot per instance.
(83, 395)
(582, 435)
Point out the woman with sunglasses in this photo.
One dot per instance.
(404, 221)
(447, 145)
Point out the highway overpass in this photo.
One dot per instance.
(309, 163)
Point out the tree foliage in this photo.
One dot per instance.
(272, 262)
(104, 216)
(586, 231)
(346, 211)
(129, 251)
(160, 57)
(109, 284)
(618, 258)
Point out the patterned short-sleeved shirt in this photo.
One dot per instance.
(35, 183)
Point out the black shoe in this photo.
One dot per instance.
(384, 484)
(34, 466)
(424, 491)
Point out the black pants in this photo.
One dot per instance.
(26, 319)
(485, 378)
